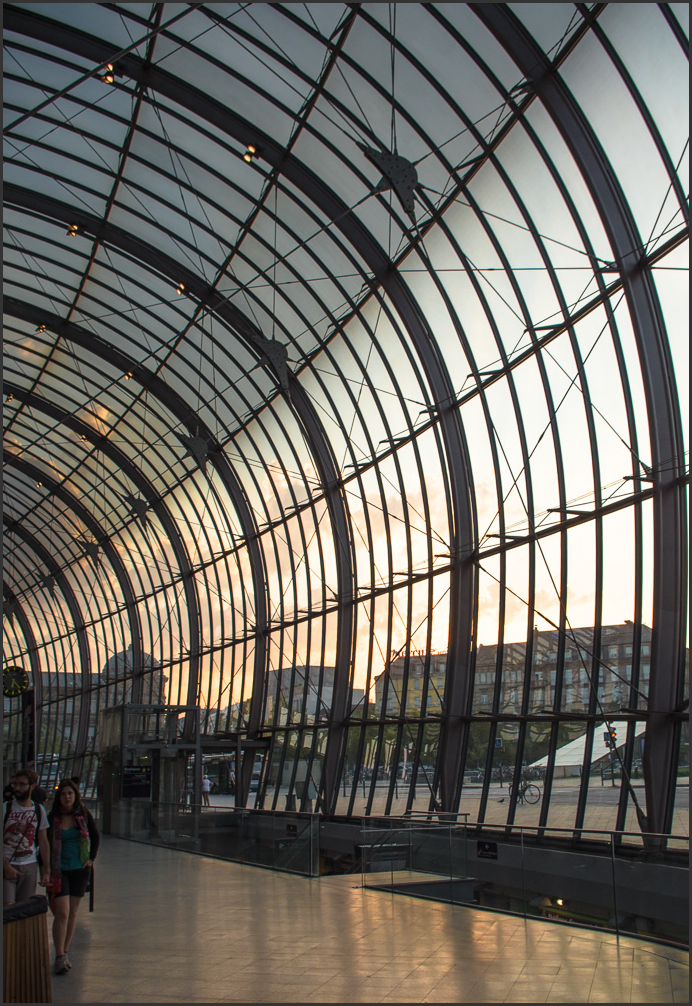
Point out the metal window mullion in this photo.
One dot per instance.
(405, 726)
(293, 737)
(676, 28)
(499, 670)
(635, 94)
(383, 710)
(371, 645)
(78, 737)
(528, 664)
(409, 613)
(593, 676)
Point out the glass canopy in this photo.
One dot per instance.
(345, 391)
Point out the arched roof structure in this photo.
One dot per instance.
(343, 345)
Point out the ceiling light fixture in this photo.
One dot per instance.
(180, 288)
(109, 76)
(249, 153)
(41, 328)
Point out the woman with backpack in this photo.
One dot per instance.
(74, 840)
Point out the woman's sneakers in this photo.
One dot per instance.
(62, 965)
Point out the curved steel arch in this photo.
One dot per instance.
(329, 479)
(75, 612)
(32, 648)
(322, 453)
(170, 526)
(102, 539)
(58, 490)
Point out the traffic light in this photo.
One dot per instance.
(610, 738)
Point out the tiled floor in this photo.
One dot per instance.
(172, 927)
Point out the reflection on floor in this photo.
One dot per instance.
(173, 927)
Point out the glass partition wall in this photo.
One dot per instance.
(345, 385)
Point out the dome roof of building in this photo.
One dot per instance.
(339, 331)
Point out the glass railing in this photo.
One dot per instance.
(610, 880)
(595, 879)
(278, 841)
(416, 857)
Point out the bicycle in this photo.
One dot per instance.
(527, 793)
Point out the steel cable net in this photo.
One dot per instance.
(344, 378)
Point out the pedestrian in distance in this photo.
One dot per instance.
(74, 841)
(206, 790)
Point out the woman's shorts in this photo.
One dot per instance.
(74, 882)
